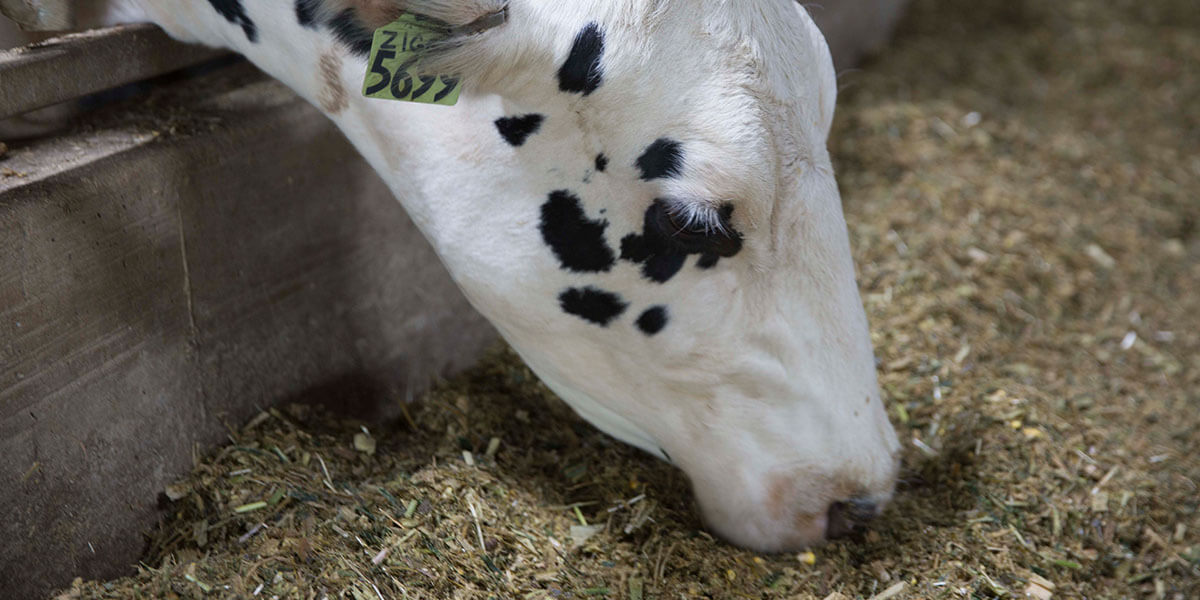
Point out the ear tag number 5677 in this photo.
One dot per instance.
(395, 49)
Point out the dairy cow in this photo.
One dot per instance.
(637, 194)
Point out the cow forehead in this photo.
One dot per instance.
(701, 132)
(767, 43)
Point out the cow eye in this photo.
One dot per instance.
(698, 236)
(691, 231)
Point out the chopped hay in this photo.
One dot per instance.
(1021, 183)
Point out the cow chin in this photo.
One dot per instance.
(803, 531)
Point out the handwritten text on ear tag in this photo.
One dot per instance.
(395, 51)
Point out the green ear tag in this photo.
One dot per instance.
(395, 49)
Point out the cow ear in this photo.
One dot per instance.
(479, 46)
(465, 16)
(825, 78)
(459, 16)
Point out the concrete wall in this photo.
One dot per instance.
(154, 286)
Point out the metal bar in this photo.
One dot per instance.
(79, 64)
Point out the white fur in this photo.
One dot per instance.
(762, 386)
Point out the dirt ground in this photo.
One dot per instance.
(1022, 185)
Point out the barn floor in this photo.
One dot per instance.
(1022, 182)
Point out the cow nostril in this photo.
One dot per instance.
(844, 516)
(862, 510)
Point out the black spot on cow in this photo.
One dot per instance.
(306, 12)
(350, 31)
(653, 320)
(659, 261)
(515, 130)
(663, 245)
(601, 162)
(581, 73)
(576, 240)
(592, 305)
(235, 13)
(663, 158)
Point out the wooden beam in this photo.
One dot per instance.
(78, 64)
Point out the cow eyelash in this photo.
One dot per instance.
(698, 219)
(696, 228)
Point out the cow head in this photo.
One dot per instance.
(651, 220)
